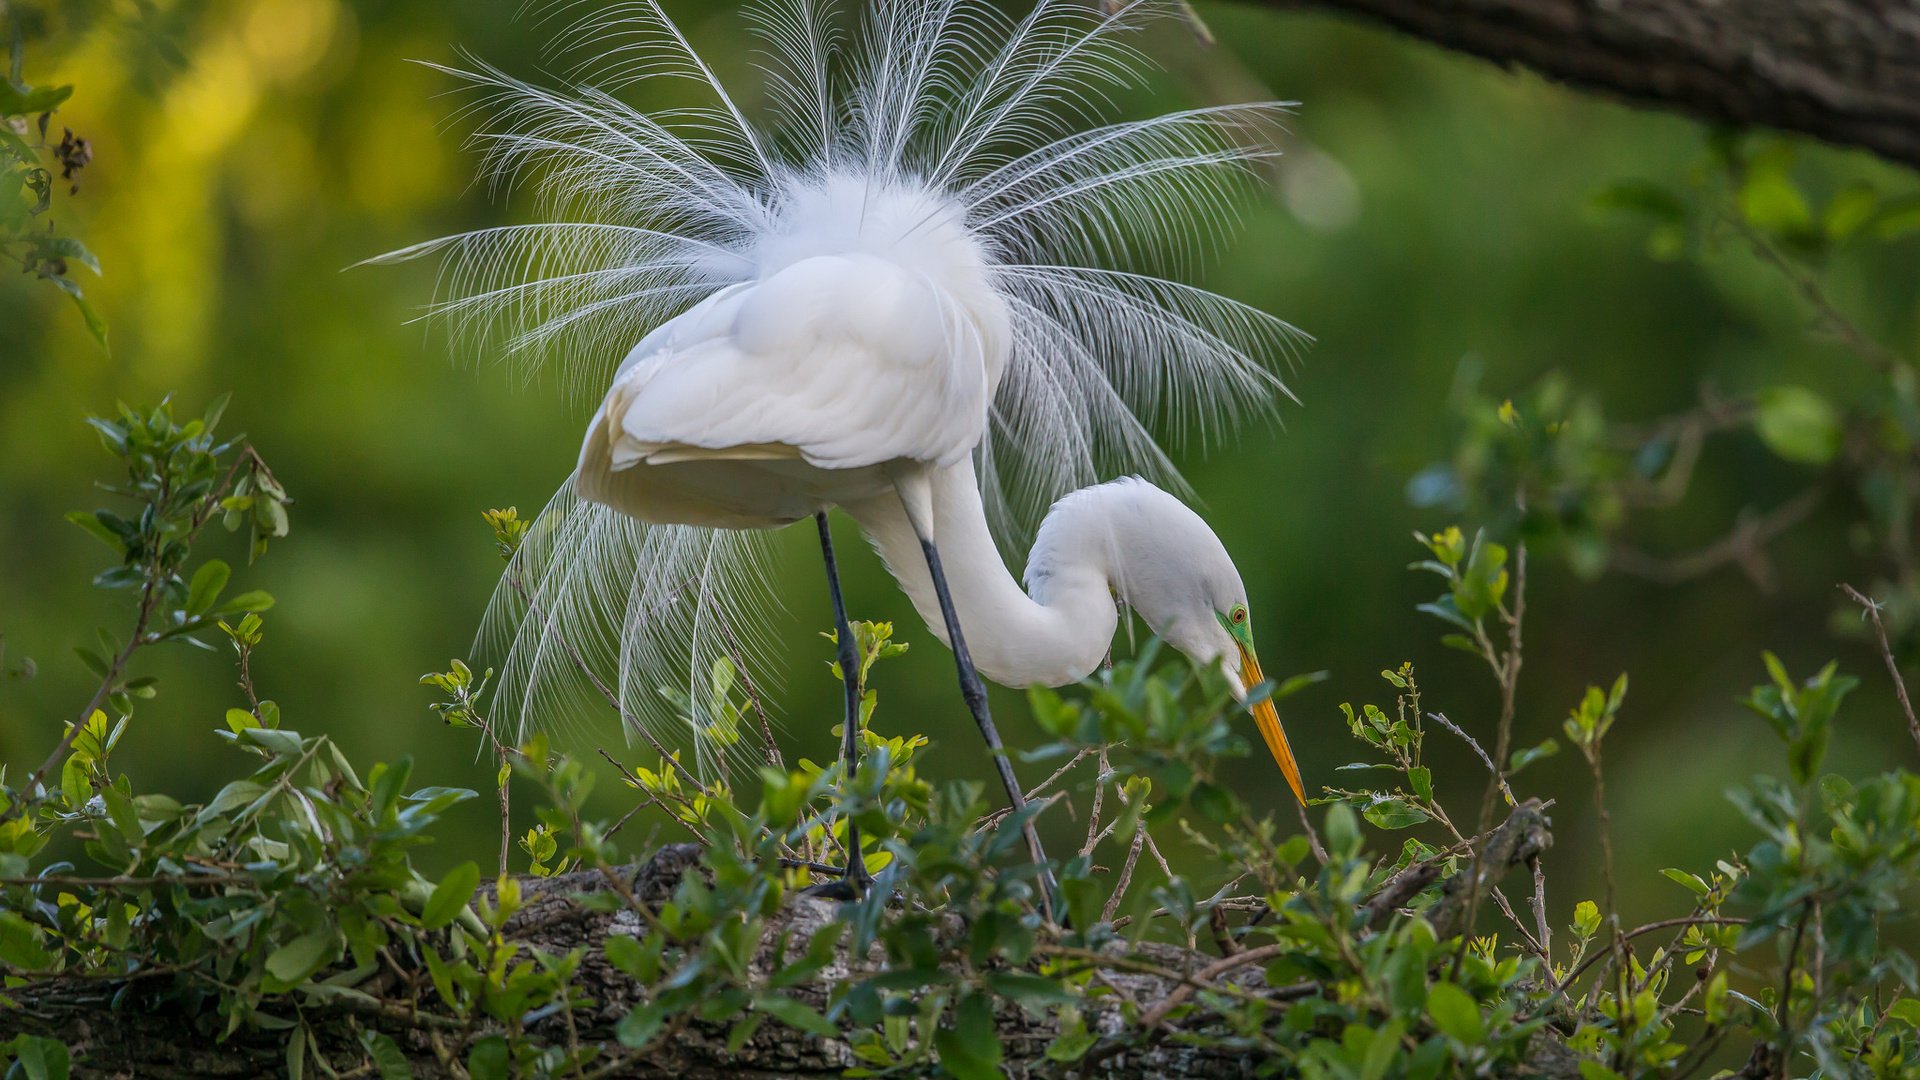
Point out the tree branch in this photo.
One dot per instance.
(1844, 71)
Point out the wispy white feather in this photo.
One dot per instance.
(940, 130)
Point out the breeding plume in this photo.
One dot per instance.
(921, 279)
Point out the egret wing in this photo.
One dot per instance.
(842, 361)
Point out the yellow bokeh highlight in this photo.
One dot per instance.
(288, 38)
(216, 135)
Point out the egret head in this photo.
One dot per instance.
(1165, 562)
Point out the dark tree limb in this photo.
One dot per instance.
(1845, 71)
(151, 1032)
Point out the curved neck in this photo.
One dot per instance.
(1058, 635)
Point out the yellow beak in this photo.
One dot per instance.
(1267, 719)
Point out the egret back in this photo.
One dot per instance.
(842, 361)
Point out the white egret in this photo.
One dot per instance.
(899, 307)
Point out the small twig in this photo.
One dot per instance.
(1506, 669)
(1690, 920)
(1313, 837)
(1782, 1008)
(1441, 719)
(1093, 815)
(634, 782)
(1252, 905)
(1126, 873)
(1198, 980)
(1154, 849)
(1203, 979)
(1878, 356)
(1745, 545)
(1688, 432)
(992, 819)
(1533, 944)
(1870, 609)
(1222, 934)
(1539, 903)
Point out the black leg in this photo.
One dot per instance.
(975, 694)
(856, 875)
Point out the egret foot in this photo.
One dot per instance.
(846, 888)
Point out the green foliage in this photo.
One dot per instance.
(285, 902)
(1550, 466)
(28, 160)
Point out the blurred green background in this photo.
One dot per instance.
(1433, 210)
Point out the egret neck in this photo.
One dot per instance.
(1125, 540)
(1057, 635)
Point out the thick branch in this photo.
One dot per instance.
(127, 1033)
(1846, 71)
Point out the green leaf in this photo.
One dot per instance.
(95, 527)
(20, 946)
(120, 809)
(1421, 778)
(40, 1058)
(795, 1014)
(388, 1058)
(1392, 813)
(488, 1060)
(1455, 1014)
(1028, 989)
(1586, 918)
(280, 743)
(1850, 208)
(970, 1049)
(1798, 424)
(207, 583)
(625, 953)
(96, 323)
(639, 1026)
(1768, 197)
(451, 896)
(742, 1031)
(1691, 881)
(1343, 832)
(16, 148)
(1715, 1001)
(255, 601)
(1483, 583)
(293, 962)
(1296, 683)
(30, 101)
(1907, 1011)
(66, 247)
(1071, 1046)
(1523, 758)
(297, 1054)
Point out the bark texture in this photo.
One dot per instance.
(1846, 71)
(124, 1030)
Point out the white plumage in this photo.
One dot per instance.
(928, 289)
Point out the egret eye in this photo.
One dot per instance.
(1239, 614)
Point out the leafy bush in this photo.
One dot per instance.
(288, 911)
